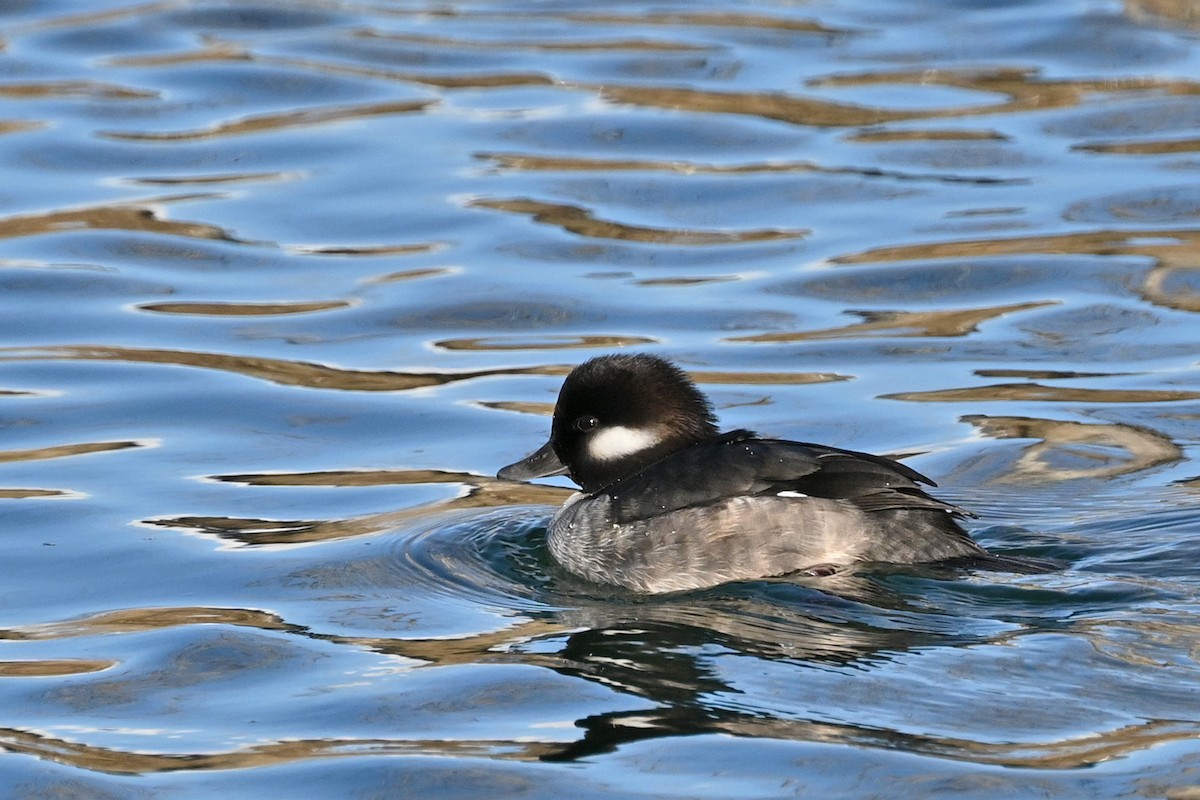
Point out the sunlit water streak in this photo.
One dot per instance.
(285, 283)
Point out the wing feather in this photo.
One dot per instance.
(738, 463)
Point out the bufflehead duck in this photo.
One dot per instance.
(669, 503)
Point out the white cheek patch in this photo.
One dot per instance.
(619, 441)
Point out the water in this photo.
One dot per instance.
(285, 283)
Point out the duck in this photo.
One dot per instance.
(669, 503)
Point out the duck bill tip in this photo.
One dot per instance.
(542, 463)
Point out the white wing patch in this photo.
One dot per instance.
(619, 441)
(790, 494)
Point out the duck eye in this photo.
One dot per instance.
(585, 423)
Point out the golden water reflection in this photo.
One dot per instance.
(275, 122)
(76, 88)
(122, 762)
(66, 450)
(211, 50)
(520, 407)
(1025, 89)
(707, 19)
(1040, 393)
(287, 373)
(583, 222)
(1156, 287)
(132, 215)
(1062, 754)
(565, 342)
(58, 451)
(1174, 252)
(134, 620)
(409, 274)
(473, 492)
(52, 668)
(1069, 450)
(244, 309)
(27, 494)
(543, 163)
(19, 126)
(88, 19)
(1156, 147)
(218, 51)
(1184, 12)
(1164, 244)
(320, 376)
(567, 46)
(777, 106)
(926, 135)
(954, 322)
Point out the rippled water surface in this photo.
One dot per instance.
(284, 284)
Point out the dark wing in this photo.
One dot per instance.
(873, 483)
(737, 463)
